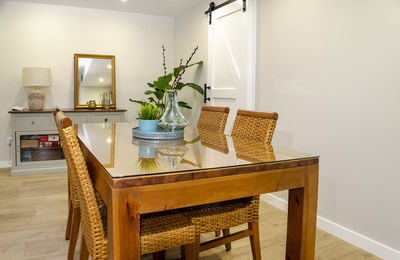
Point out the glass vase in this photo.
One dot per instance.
(172, 119)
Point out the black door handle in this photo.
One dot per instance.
(205, 93)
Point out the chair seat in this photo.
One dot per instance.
(223, 215)
(164, 230)
(158, 231)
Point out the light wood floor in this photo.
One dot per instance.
(33, 212)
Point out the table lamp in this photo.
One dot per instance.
(36, 78)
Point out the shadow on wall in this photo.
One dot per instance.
(193, 97)
(21, 97)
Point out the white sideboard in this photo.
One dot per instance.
(32, 129)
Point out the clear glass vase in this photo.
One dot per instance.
(172, 119)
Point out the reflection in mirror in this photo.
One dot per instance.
(94, 80)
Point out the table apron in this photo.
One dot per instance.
(154, 198)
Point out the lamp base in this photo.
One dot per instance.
(36, 99)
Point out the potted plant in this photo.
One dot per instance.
(163, 92)
(148, 118)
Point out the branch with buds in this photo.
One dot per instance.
(179, 77)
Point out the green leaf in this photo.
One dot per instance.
(149, 92)
(138, 101)
(159, 94)
(177, 70)
(150, 85)
(184, 104)
(196, 63)
(195, 87)
(180, 86)
(192, 85)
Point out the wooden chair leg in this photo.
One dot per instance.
(217, 233)
(192, 250)
(183, 255)
(76, 220)
(69, 221)
(160, 255)
(84, 251)
(228, 246)
(255, 240)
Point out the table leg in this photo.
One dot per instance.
(302, 215)
(124, 225)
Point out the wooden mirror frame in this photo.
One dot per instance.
(76, 79)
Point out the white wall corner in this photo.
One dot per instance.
(361, 241)
(5, 164)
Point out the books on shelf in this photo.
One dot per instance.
(40, 141)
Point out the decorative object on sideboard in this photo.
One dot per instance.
(36, 78)
(105, 99)
(92, 104)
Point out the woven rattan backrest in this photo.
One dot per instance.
(91, 223)
(213, 118)
(58, 116)
(257, 126)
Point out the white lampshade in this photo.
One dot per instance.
(36, 77)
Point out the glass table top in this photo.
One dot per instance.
(122, 155)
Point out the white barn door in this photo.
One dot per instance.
(232, 58)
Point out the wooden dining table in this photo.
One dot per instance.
(138, 176)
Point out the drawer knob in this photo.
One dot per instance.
(106, 120)
(33, 122)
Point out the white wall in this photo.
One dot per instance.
(191, 30)
(331, 71)
(48, 36)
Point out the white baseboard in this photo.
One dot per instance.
(5, 164)
(341, 232)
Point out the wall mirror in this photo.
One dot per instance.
(94, 80)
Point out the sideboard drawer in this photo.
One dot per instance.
(105, 118)
(26, 123)
(77, 119)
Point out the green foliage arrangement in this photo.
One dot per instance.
(149, 112)
(170, 81)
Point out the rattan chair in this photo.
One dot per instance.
(159, 231)
(74, 216)
(251, 128)
(213, 118)
(257, 126)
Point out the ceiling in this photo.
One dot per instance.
(155, 7)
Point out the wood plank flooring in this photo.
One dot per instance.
(33, 214)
